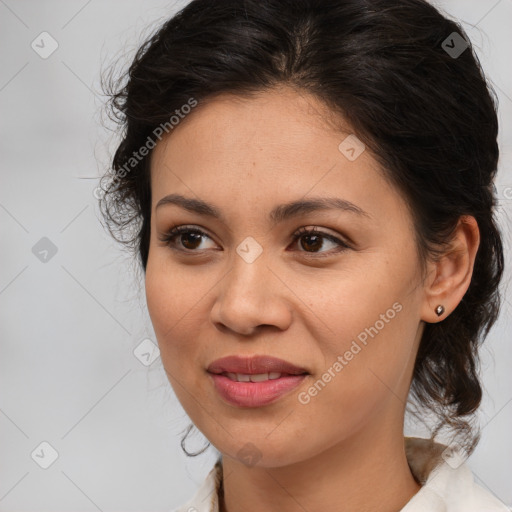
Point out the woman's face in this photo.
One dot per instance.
(350, 315)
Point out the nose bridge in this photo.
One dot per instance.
(249, 272)
(248, 296)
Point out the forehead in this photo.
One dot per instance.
(269, 117)
(291, 128)
(274, 147)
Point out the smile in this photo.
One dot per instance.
(255, 390)
(259, 377)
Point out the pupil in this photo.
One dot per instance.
(190, 241)
(317, 239)
(189, 236)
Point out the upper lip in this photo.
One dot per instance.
(254, 365)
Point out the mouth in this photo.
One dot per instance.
(254, 381)
(257, 377)
(254, 393)
(255, 368)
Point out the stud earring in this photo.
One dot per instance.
(439, 310)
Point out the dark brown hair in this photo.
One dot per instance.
(391, 69)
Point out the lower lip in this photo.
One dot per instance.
(255, 394)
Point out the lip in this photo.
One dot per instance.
(254, 394)
(254, 365)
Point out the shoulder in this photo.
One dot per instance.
(448, 485)
(486, 501)
(453, 489)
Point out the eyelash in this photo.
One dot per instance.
(174, 232)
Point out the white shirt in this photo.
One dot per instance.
(447, 485)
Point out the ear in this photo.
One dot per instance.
(449, 278)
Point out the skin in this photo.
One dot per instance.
(343, 450)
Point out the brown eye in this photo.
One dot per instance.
(312, 240)
(189, 238)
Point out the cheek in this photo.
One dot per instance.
(158, 297)
(167, 300)
(169, 293)
(360, 382)
(367, 336)
(345, 303)
(170, 307)
(175, 302)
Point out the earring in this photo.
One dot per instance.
(439, 310)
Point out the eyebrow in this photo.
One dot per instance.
(280, 213)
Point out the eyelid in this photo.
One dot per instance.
(175, 231)
(314, 230)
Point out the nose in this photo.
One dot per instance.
(251, 296)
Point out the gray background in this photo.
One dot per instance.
(69, 325)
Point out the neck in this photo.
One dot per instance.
(368, 472)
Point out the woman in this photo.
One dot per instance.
(309, 186)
